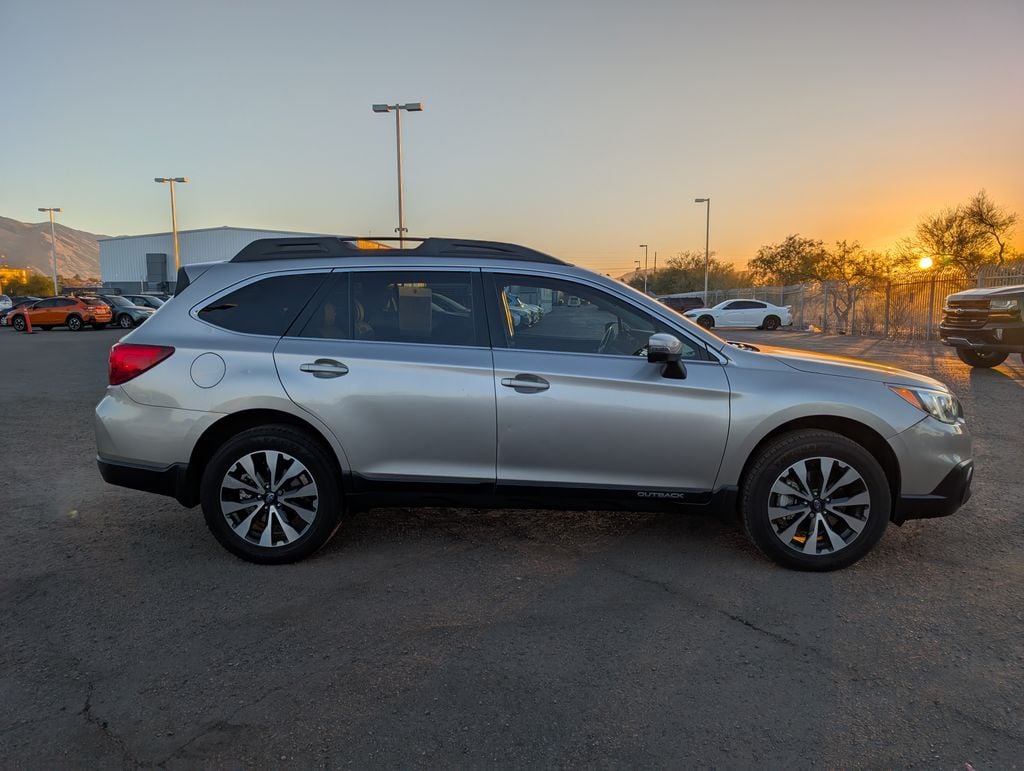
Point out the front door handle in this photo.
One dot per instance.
(526, 384)
(325, 368)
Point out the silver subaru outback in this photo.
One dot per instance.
(305, 378)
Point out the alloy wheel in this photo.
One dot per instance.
(818, 506)
(269, 498)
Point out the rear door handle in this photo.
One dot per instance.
(324, 368)
(526, 384)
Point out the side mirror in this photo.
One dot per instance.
(668, 350)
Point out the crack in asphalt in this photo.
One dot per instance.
(104, 727)
(669, 589)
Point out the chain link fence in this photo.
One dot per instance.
(898, 309)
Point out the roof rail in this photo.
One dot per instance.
(336, 246)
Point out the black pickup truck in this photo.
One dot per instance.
(984, 325)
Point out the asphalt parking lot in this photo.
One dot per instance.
(462, 638)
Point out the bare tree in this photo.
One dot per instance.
(967, 236)
(993, 220)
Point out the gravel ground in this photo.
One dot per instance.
(447, 637)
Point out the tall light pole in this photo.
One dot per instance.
(174, 216)
(53, 244)
(397, 110)
(707, 239)
(644, 247)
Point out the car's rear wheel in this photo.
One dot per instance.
(18, 323)
(770, 323)
(815, 500)
(981, 358)
(125, 321)
(708, 322)
(74, 323)
(270, 495)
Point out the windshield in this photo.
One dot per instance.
(115, 300)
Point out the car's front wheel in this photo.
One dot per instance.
(271, 495)
(18, 323)
(981, 358)
(815, 500)
(708, 322)
(125, 321)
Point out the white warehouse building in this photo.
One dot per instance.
(146, 263)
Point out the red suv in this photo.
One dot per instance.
(70, 312)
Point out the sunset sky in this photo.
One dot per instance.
(579, 128)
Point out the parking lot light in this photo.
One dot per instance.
(707, 238)
(397, 110)
(174, 216)
(53, 244)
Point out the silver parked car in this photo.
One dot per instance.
(305, 378)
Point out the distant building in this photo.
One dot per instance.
(146, 263)
(12, 274)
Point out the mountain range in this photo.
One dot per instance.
(27, 245)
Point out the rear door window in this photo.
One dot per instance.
(401, 306)
(264, 307)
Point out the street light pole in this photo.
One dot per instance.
(397, 110)
(53, 244)
(707, 240)
(644, 247)
(174, 216)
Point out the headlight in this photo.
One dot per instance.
(941, 405)
(1002, 305)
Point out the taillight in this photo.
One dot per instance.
(129, 360)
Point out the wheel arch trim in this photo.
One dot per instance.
(852, 429)
(234, 423)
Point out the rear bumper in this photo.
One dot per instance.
(170, 481)
(950, 494)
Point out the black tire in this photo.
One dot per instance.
(303, 448)
(775, 459)
(74, 323)
(18, 323)
(99, 326)
(771, 323)
(125, 321)
(708, 322)
(981, 358)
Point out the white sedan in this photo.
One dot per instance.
(742, 313)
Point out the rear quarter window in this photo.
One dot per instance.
(265, 307)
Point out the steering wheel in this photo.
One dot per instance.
(611, 334)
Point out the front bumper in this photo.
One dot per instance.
(1008, 336)
(950, 494)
